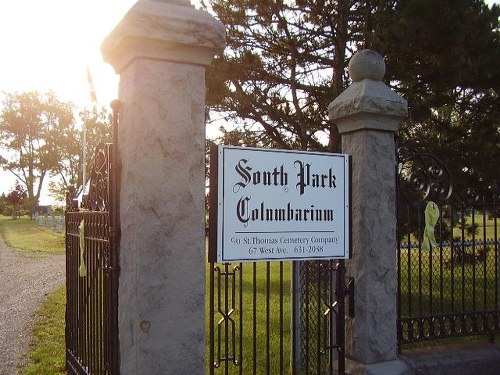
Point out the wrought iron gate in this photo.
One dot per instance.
(92, 235)
(262, 322)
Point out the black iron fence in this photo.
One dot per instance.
(249, 318)
(450, 288)
(92, 267)
(262, 322)
(91, 277)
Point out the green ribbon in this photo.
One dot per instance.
(431, 218)
(81, 229)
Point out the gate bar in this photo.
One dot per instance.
(115, 234)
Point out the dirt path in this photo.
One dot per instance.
(25, 281)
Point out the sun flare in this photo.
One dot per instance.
(47, 46)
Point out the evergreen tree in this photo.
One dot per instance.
(444, 58)
(285, 61)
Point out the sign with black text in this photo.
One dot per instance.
(281, 205)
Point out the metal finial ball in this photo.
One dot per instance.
(367, 64)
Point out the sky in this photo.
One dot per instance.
(46, 45)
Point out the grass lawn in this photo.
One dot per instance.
(25, 235)
(47, 349)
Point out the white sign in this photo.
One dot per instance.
(282, 205)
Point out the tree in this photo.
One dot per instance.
(3, 204)
(30, 128)
(286, 61)
(69, 170)
(16, 197)
(443, 57)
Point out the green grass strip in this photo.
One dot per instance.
(27, 236)
(46, 355)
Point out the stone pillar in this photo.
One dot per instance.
(161, 49)
(367, 114)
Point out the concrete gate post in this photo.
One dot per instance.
(161, 49)
(367, 114)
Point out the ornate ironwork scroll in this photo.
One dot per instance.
(97, 198)
(422, 176)
(71, 200)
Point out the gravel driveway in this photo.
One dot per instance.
(25, 281)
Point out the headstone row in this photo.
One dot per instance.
(55, 222)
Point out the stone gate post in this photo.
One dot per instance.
(367, 115)
(161, 49)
